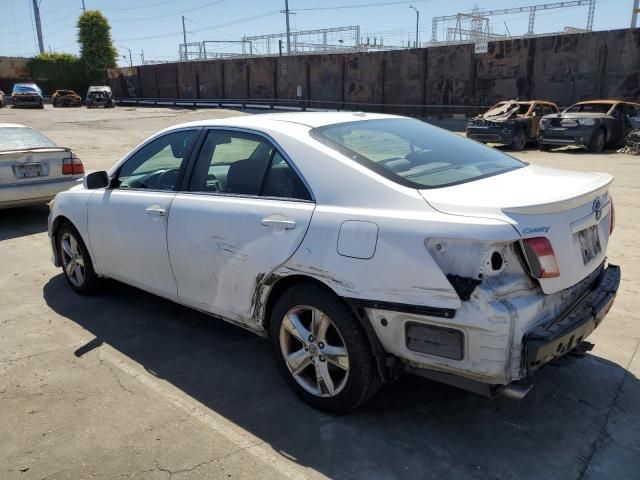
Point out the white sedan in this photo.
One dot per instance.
(361, 245)
(33, 168)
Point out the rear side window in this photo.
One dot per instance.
(414, 153)
(244, 164)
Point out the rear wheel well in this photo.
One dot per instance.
(385, 362)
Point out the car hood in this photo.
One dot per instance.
(577, 115)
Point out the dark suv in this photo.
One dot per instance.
(513, 123)
(591, 125)
(27, 95)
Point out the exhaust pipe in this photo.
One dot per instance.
(514, 391)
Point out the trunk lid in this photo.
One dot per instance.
(32, 165)
(571, 209)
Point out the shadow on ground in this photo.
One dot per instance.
(23, 221)
(411, 429)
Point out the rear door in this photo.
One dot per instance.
(128, 224)
(245, 212)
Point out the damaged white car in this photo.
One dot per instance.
(361, 245)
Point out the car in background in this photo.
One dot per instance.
(33, 169)
(100, 96)
(362, 245)
(1, 99)
(591, 124)
(66, 98)
(27, 95)
(513, 123)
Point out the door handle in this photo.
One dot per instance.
(161, 212)
(278, 221)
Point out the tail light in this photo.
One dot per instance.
(613, 218)
(540, 256)
(72, 165)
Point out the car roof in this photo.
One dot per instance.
(606, 102)
(279, 121)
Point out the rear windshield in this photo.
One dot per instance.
(414, 153)
(590, 108)
(14, 138)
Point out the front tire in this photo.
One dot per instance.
(76, 262)
(597, 142)
(321, 350)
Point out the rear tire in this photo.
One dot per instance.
(597, 142)
(336, 370)
(75, 261)
(544, 147)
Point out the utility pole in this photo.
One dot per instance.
(417, 24)
(36, 14)
(142, 56)
(634, 13)
(286, 12)
(184, 35)
(84, 9)
(130, 57)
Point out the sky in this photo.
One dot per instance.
(155, 26)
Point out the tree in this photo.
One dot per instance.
(96, 48)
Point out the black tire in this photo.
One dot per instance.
(41, 106)
(362, 380)
(597, 141)
(519, 140)
(91, 282)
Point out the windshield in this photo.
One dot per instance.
(589, 108)
(12, 138)
(25, 89)
(414, 153)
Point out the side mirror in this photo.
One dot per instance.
(94, 180)
(635, 122)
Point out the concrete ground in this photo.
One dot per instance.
(126, 384)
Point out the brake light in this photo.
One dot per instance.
(541, 258)
(72, 166)
(613, 218)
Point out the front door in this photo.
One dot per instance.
(128, 224)
(246, 212)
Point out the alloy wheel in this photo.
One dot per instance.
(314, 351)
(72, 259)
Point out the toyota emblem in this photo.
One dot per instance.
(597, 208)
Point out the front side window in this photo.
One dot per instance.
(156, 166)
(244, 164)
(414, 153)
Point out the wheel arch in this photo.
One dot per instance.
(384, 361)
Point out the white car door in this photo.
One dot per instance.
(246, 212)
(128, 224)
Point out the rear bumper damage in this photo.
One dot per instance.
(561, 335)
(465, 351)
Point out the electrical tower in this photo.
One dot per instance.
(478, 20)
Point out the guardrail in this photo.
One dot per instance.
(303, 105)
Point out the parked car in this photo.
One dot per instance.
(32, 167)
(591, 125)
(27, 95)
(513, 123)
(100, 96)
(66, 98)
(362, 245)
(1, 99)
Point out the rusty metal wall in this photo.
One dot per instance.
(563, 68)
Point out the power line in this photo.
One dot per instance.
(138, 7)
(212, 27)
(173, 14)
(361, 5)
